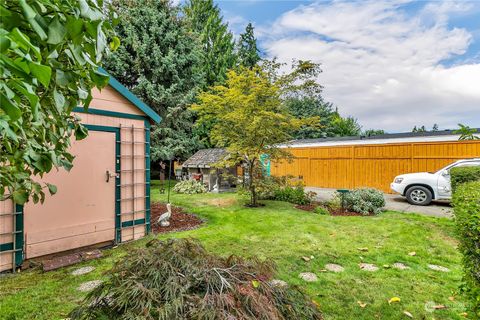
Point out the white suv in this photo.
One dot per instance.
(421, 188)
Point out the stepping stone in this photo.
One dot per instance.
(308, 276)
(400, 266)
(89, 285)
(368, 267)
(438, 268)
(278, 283)
(334, 267)
(81, 271)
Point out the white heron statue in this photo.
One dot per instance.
(163, 220)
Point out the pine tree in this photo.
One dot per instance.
(247, 50)
(217, 41)
(159, 59)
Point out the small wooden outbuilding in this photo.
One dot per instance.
(104, 199)
(202, 166)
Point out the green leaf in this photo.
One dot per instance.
(20, 196)
(255, 283)
(81, 132)
(74, 27)
(115, 43)
(30, 15)
(52, 188)
(4, 43)
(41, 72)
(56, 32)
(10, 108)
(59, 100)
(87, 12)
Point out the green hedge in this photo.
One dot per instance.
(466, 201)
(464, 174)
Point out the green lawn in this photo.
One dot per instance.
(280, 232)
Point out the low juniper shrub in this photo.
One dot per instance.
(364, 201)
(179, 279)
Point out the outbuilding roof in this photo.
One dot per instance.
(132, 98)
(428, 136)
(205, 158)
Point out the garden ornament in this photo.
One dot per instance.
(163, 220)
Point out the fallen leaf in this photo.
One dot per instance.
(439, 307)
(413, 253)
(323, 270)
(361, 304)
(316, 303)
(464, 314)
(394, 300)
(362, 249)
(306, 259)
(386, 266)
(312, 257)
(451, 298)
(408, 314)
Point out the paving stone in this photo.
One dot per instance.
(81, 271)
(308, 276)
(438, 268)
(89, 285)
(334, 267)
(278, 283)
(59, 262)
(400, 266)
(368, 267)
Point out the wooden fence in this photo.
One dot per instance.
(355, 166)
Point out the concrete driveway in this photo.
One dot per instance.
(397, 203)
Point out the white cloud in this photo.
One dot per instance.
(383, 65)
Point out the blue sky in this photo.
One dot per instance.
(392, 64)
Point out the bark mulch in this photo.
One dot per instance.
(179, 221)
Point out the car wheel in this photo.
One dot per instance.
(419, 196)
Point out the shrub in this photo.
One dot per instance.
(364, 201)
(294, 195)
(466, 202)
(464, 174)
(179, 279)
(189, 187)
(321, 210)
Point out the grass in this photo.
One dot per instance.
(280, 232)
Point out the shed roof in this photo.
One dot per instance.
(132, 98)
(205, 158)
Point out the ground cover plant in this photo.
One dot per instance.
(179, 279)
(189, 187)
(284, 234)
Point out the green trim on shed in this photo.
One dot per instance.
(148, 224)
(19, 235)
(109, 113)
(132, 98)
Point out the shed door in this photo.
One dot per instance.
(82, 212)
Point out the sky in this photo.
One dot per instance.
(391, 64)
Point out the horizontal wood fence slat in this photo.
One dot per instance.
(372, 165)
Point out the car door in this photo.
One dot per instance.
(444, 185)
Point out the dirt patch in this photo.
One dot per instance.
(221, 202)
(306, 207)
(179, 221)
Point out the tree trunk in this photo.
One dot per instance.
(253, 193)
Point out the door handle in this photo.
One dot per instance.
(111, 175)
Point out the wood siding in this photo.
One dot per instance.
(374, 166)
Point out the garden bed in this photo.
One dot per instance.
(179, 221)
(336, 212)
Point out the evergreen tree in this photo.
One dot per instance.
(159, 59)
(217, 41)
(247, 50)
(435, 127)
